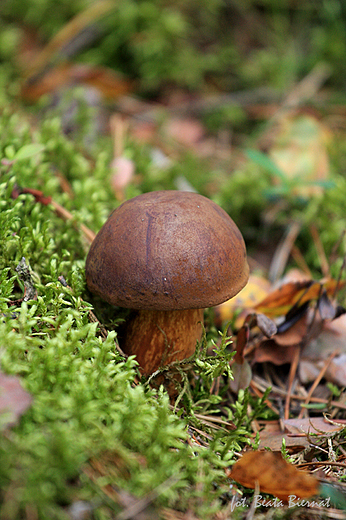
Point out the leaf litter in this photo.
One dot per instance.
(295, 323)
(274, 329)
(276, 326)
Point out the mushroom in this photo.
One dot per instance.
(167, 255)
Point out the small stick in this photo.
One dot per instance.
(66, 215)
(283, 251)
(320, 250)
(60, 210)
(294, 397)
(321, 463)
(300, 260)
(316, 382)
(292, 374)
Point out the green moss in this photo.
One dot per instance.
(86, 405)
(91, 424)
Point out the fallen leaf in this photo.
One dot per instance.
(242, 375)
(273, 475)
(313, 425)
(300, 152)
(266, 325)
(325, 307)
(242, 339)
(294, 334)
(332, 337)
(335, 373)
(14, 401)
(110, 84)
(268, 350)
(49, 68)
(280, 301)
(272, 437)
(254, 292)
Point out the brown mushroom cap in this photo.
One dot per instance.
(167, 250)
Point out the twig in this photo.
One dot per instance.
(338, 281)
(118, 128)
(278, 391)
(321, 463)
(292, 374)
(334, 255)
(320, 250)
(210, 418)
(300, 260)
(283, 251)
(60, 210)
(317, 381)
(66, 215)
(305, 89)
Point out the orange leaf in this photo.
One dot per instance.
(110, 84)
(274, 475)
(254, 292)
(280, 301)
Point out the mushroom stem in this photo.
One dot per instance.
(158, 338)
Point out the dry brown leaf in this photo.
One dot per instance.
(313, 425)
(272, 436)
(242, 375)
(294, 334)
(110, 84)
(281, 301)
(268, 350)
(332, 339)
(48, 69)
(273, 475)
(335, 372)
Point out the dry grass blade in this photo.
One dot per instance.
(66, 215)
(320, 251)
(69, 32)
(283, 252)
(263, 385)
(317, 381)
(291, 377)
